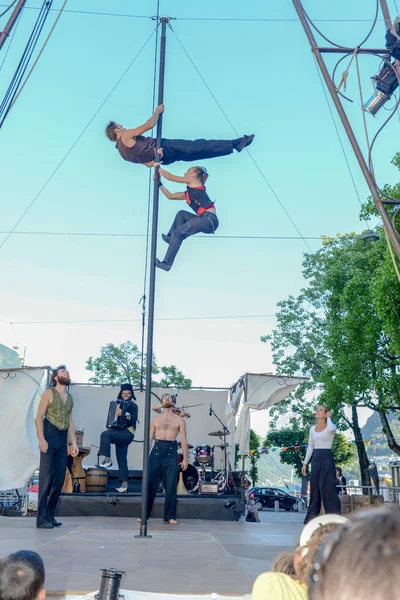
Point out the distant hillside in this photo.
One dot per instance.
(8, 358)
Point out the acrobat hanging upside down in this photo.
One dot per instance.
(204, 220)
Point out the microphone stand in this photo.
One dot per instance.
(226, 431)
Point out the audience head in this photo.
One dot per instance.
(312, 536)
(284, 563)
(22, 577)
(360, 560)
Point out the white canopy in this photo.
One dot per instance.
(255, 391)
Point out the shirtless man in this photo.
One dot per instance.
(163, 460)
(134, 147)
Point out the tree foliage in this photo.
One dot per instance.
(342, 332)
(122, 364)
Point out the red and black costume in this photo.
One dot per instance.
(187, 224)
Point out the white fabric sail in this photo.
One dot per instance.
(258, 392)
(18, 442)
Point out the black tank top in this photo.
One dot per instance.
(141, 152)
(198, 199)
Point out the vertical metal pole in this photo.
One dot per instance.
(152, 291)
(11, 22)
(244, 401)
(387, 224)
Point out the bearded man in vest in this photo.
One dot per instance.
(134, 147)
(55, 428)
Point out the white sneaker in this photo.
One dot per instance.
(106, 465)
(121, 490)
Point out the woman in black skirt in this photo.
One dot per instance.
(323, 471)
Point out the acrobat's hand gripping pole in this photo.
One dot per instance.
(152, 290)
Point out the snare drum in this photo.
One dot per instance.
(204, 453)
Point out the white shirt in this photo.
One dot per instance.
(320, 440)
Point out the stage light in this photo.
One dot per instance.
(386, 83)
(370, 236)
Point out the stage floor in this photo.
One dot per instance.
(193, 557)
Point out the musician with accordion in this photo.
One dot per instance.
(121, 425)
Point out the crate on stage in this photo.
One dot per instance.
(207, 487)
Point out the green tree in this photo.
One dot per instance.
(290, 438)
(254, 456)
(119, 364)
(333, 333)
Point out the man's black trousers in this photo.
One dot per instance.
(323, 485)
(121, 438)
(191, 150)
(53, 465)
(163, 466)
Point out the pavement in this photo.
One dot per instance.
(194, 557)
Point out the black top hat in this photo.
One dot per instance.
(126, 386)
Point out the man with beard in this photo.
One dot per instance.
(55, 427)
(163, 459)
(121, 435)
(134, 147)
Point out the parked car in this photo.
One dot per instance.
(264, 497)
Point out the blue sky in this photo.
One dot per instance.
(264, 77)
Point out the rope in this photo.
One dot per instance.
(237, 134)
(77, 140)
(362, 102)
(346, 72)
(142, 301)
(39, 55)
(340, 139)
(8, 8)
(389, 245)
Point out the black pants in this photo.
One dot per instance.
(190, 150)
(185, 225)
(121, 438)
(323, 485)
(52, 470)
(163, 466)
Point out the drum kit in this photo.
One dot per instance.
(201, 464)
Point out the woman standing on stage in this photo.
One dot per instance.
(323, 470)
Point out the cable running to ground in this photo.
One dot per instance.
(24, 61)
(77, 140)
(237, 134)
(8, 8)
(340, 140)
(38, 56)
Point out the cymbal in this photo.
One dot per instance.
(219, 433)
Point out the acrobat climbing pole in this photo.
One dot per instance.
(152, 290)
(317, 51)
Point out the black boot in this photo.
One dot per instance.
(162, 265)
(244, 142)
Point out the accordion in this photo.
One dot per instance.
(113, 420)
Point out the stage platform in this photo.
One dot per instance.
(194, 557)
(193, 506)
(221, 507)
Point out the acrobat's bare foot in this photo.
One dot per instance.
(172, 522)
(139, 520)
